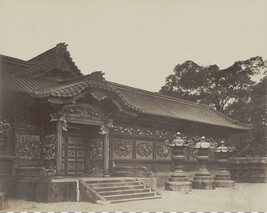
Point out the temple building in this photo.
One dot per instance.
(54, 117)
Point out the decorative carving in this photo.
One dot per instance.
(57, 117)
(99, 95)
(163, 150)
(144, 149)
(49, 151)
(144, 131)
(4, 127)
(122, 148)
(162, 133)
(96, 149)
(28, 146)
(49, 147)
(104, 128)
(123, 130)
(82, 110)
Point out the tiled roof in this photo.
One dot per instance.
(8, 80)
(147, 102)
(165, 106)
(26, 77)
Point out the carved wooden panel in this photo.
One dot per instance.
(122, 148)
(4, 138)
(95, 151)
(163, 151)
(28, 146)
(144, 149)
(49, 151)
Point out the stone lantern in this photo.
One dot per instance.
(178, 180)
(223, 178)
(203, 178)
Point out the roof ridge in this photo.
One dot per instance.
(47, 52)
(157, 94)
(230, 119)
(14, 60)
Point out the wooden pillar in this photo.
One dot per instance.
(59, 148)
(106, 154)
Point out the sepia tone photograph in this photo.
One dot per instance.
(133, 105)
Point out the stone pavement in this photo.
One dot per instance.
(245, 197)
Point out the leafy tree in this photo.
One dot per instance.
(253, 143)
(212, 86)
(232, 91)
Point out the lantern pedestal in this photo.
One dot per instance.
(203, 178)
(3, 199)
(178, 180)
(223, 178)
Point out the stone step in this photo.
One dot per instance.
(114, 188)
(130, 195)
(135, 199)
(109, 181)
(118, 192)
(99, 185)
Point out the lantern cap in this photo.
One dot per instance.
(203, 144)
(178, 141)
(223, 148)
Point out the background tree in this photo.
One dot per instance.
(234, 91)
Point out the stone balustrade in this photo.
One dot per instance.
(248, 169)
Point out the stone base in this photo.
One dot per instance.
(178, 186)
(202, 182)
(3, 201)
(223, 184)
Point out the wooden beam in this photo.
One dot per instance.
(106, 153)
(59, 148)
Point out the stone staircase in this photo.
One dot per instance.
(117, 190)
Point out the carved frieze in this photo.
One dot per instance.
(28, 146)
(144, 131)
(82, 110)
(144, 149)
(163, 133)
(163, 151)
(122, 148)
(126, 130)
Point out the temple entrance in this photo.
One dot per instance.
(94, 142)
(82, 148)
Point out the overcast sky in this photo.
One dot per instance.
(136, 42)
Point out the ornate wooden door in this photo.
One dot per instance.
(73, 154)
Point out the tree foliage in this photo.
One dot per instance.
(232, 91)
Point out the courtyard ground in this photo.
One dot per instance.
(245, 197)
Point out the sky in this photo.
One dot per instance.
(136, 42)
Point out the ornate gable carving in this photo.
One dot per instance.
(83, 110)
